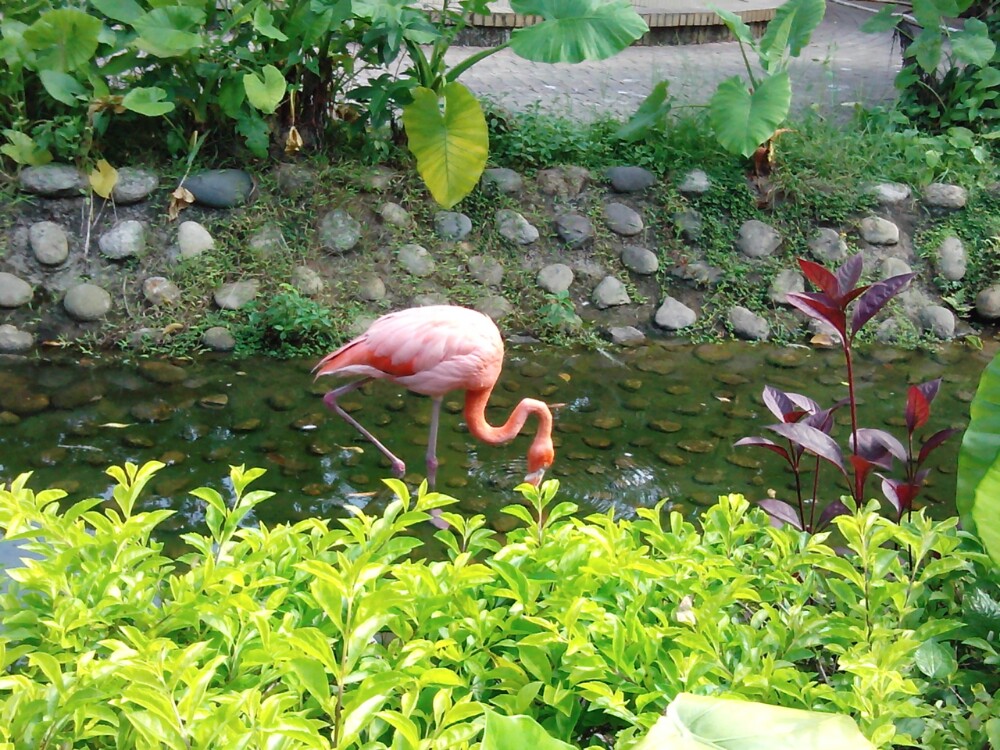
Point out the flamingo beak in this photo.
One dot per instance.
(535, 477)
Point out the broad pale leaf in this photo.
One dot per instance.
(64, 40)
(779, 510)
(697, 722)
(263, 23)
(576, 30)
(265, 94)
(517, 733)
(450, 140)
(652, 113)
(885, 20)
(973, 44)
(986, 511)
(813, 440)
(126, 11)
(980, 448)
(742, 120)
(936, 660)
(805, 15)
(736, 25)
(103, 179)
(149, 101)
(170, 32)
(22, 148)
(62, 87)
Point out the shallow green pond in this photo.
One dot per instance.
(634, 426)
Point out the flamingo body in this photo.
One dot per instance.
(433, 351)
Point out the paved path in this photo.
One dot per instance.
(840, 66)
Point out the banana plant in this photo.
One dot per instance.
(978, 493)
(444, 122)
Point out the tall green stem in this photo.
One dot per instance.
(468, 62)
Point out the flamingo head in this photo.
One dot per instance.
(541, 454)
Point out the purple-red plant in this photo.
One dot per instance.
(806, 428)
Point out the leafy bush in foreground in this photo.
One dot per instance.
(308, 636)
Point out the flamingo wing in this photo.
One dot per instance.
(430, 350)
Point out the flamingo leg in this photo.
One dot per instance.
(432, 459)
(330, 399)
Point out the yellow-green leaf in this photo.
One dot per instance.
(449, 138)
(265, 94)
(103, 179)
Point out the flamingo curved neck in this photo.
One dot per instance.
(475, 417)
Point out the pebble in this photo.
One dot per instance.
(133, 185)
(574, 229)
(786, 282)
(160, 291)
(629, 179)
(14, 291)
(395, 215)
(152, 411)
(220, 188)
(236, 295)
(52, 180)
(124, 240)
(339, 232)
(371, 288)
(502, 180)
(942, 195)
(268, 240)
(610, 292)
(293, 179)
(600, 442)
(554, 278)
(247, 425)
(163, 373)
(748, 325)
(415, 260)
(486, 271)
(495, 306)
(378, 179)
(878, 231)
(626, 336)
(193, 239)
(218, 339)
(695, 183)
(565, 182)
(214, 401)
(697, 446)
(939, 321)
(690, 224)
(513, 226)
(664, 425)
(14, 340)
(828, 246)
(757, 239)
(622, 219)
(307, 281)
(49, 243)
(452, 225)
(673, 315)
(24, 403)
(951, 259)
(890, 192)
(87, 302)
(640, 260)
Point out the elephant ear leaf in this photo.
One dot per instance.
(742, 119)
(980, 450)
(449, 137)
(697, 722)
(576, 30)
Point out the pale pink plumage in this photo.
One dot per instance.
(435, 350)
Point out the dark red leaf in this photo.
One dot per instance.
(930, 389)
(875, 298)
(853, 295)
(918, 410)
(890, 488)
(821, 307)
(862, 468)
(879, 447)
(778, 402)
(823, 419)
(848, 275)
(831, 511)
(814, 441)
(820, 277)
(764, 443)
(781, 511)
(933, 442)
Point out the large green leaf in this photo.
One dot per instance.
(805, 15)
(265, 94)
(576, 30)
(981, 443)
(170, 32)
(986, 511)
(450, 139)
(696, 722)
(744, 120)
(973, 44)
(64, 39)
(517, 733)
(736, 25)
(62, 87)
(126, 11)
(149, 101)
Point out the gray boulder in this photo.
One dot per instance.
(395, 215)
(942, 195)
(748, 325)
(416, 260)
(939, 321)
(307, 281)
(988, 303)
(674, 315)
(218, 339)
(221, 188)
(339, 232)
(49, 243)
(502, 180)
(610, 292)
(565, 182)
(371, 288)
(236, 294)
(555, 278)
(629, 179)
(785, 282)
(890, 192)
(757, 239)
(951, 259)
(14, 341)
(193, 239)
(640, 260)
(574, 229)
(14, 291)
(124, 240)
(52, 180)
(626, 335)
(495, 306)
(828, 246)
(486, 271)
(452, 225)
(622, 219)
(695, 183)
(87, 302)
(878, 231)
(133, 185)
(513, 226)
(160, 291)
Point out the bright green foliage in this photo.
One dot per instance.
(742, 120)
(320, 635)
(978, 495)
(697, 722)
(449, 138)
(576, 30)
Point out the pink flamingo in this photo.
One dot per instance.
(435, 350)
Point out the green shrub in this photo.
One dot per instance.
(317, 635)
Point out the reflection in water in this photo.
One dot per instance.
(633, 426)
